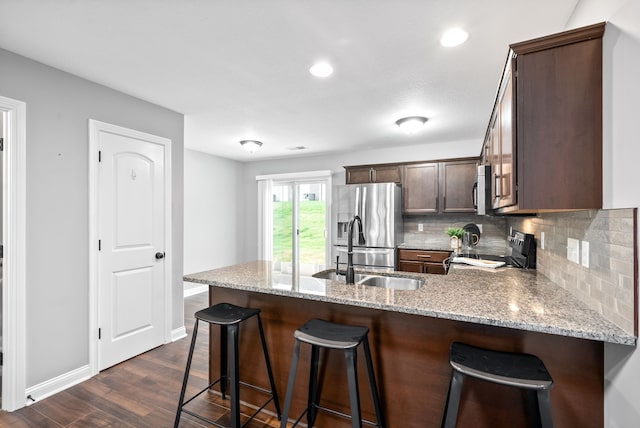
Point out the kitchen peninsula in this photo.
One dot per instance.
(506, 309)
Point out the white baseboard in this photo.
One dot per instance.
(57, 384)
(178, 333)
(192, 291)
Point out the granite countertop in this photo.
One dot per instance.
(505, 297)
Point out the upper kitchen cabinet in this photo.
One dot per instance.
(544, 140)
(456, 184)
(420, 193)
(373, 174)
(439, 187)
(499, 143)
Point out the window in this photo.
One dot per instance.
(294, 212)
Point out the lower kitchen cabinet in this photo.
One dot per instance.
(423, 261)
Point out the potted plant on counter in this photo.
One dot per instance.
(455, 235)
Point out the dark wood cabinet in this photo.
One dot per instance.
(439, 187)
(373, 174)
(544, 140)
(420, 188)
(456, 181)
(500, 143)
(423, 261)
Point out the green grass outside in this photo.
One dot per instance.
(312, 228)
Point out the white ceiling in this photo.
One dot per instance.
(239, 69)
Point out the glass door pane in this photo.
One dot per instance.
(282, 231)
(312, 215)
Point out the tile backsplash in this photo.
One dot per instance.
(493, 236)
(608, 284)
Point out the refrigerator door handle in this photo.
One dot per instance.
(358, 202)
(363, 214)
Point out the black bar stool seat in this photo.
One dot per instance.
(228, 317)
(516, 370)
(323, 334)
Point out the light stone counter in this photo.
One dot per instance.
(512, 298)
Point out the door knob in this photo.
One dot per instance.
(159, 256)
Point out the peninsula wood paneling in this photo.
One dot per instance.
(410, 355)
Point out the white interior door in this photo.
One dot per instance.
(131, 263)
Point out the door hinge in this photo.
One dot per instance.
(99, 155)
(1, 358)
(99, 244)
(99, 333)
(1, 144)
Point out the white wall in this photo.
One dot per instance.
(59, 106)
(621, 153)
(335, 163)
(212, 202)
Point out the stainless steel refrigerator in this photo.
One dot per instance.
(379, 206)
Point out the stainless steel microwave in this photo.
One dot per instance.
(482, 190)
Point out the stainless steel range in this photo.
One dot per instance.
(523, 251)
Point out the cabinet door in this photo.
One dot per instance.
(409, 266)
(493, 156)
(507, 179)
(386, 174)
(457, 186)
(358, 175)
(420, 191)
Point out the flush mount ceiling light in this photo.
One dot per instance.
(411, 125)
(454, 37)
(321, 69)
(251, 145)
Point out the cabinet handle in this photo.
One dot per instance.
(370, 174)
(424, 256)
(496, 182)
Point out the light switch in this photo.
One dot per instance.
(420, 227)
(585, 253)
(573, 250)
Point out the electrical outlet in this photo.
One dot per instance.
(542, 240)
(420, 227)
(573, 250)
(585, 253)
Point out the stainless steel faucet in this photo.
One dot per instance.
(361, 241)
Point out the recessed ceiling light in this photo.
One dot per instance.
(411, 125)
(454, 37)
(321, 69)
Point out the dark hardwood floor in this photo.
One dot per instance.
(140, 392)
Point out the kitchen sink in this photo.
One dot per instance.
(334, 276)
(395, 282)
(383, 281)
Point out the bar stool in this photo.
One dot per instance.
(517, 370)
(323, 334)
(228, 317)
